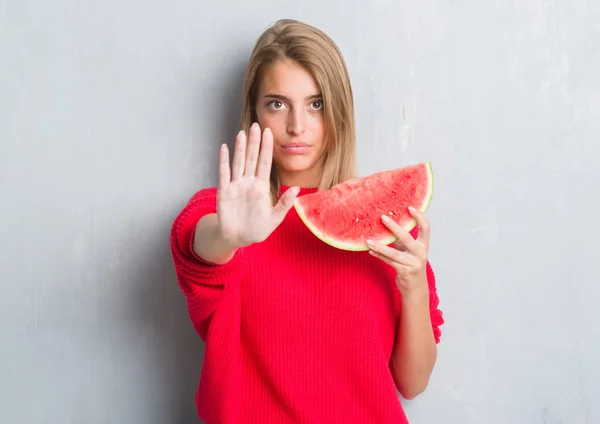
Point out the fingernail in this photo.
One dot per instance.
(370, 242)
(410, 208)
(385, 218)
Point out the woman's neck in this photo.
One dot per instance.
(308, 178)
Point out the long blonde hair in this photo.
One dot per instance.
(313, 49)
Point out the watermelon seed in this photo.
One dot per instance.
(390, 213)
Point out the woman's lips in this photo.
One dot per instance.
(296, 147)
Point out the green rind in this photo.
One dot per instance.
(358, 247)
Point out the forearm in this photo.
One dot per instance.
(208, 243)
(415, 352)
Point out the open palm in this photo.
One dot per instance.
(246, 214)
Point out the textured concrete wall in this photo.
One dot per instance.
(111, 114)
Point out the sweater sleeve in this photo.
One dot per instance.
(435, 313)
(203, 283)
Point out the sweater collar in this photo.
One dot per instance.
(303, 190)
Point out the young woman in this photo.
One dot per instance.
(297, 331)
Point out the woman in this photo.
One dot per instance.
(297, 331)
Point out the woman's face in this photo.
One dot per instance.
(290, 103)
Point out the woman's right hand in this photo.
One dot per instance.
(244, 209)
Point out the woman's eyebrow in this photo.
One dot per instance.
(281, 97)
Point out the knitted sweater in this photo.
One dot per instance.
(295, 331)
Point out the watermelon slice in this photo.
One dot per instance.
(349, 213)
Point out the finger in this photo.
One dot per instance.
(385, 259)
(266, 155)
(402, 258)
(403, 236)
(398, 245)
(239, 156)
(252, 150)
(224, 171)
(285, 203)
(424, 227)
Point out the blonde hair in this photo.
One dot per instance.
(319, 55)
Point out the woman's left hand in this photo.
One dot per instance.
(408, 256)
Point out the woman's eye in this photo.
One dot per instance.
(317, 105)
(275, 104)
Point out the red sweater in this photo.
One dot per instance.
(295, 331)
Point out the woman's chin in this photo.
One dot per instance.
(297, 164)
(299, 172)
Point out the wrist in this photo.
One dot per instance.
(224, 242)
(209, 244)
(415, 297)
(226, 247)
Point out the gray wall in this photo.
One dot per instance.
(111, 114)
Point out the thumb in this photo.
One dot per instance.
(285, 203)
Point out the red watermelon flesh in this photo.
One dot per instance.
(349, 213)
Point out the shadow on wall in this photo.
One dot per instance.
(162, 304)
(230, 94)
(178, 354)
(224, 126)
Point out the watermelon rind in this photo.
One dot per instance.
(357, 247)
